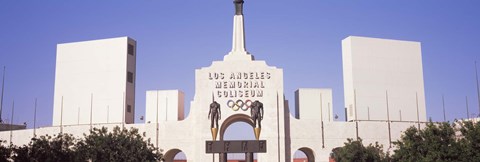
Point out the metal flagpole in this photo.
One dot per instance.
(78, 116)
(156, 122)
(321, 119)
(61, 117)
(1, 99)
(35, 119)
(368, 111)
(11, 122)
(444, 115)
(400, 111)
(466, 103)
(356, 117)
(108, 114)
(478, 89)
(91, 110)
(355, 103)
(278, 128)
(321, 107)
(166, 107)
(329, 113)
(418, 116)
(123, 112)
(388, 121)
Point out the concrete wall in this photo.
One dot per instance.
(321, 140)
(314, 103)
(240, 80)
(100, 68)
(374, 67)
(164, 105)
(93, 75)
(304, 133)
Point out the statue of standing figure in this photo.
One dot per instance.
(214, 114)
(257, 113)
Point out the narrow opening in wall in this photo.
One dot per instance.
(130, 77)
(131, 49)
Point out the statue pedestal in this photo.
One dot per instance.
(214, 133)
(257, 132)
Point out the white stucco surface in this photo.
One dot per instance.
(164, 105)
(243, 80)
(314, 102)
(380, 71)
(92, 75)
(182, 135)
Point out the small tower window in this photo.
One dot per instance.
(131, 49)
(129, 108)
(130, 77)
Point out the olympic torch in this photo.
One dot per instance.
(257, 132)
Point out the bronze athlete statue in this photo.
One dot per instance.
(214, 114)
(257, 113)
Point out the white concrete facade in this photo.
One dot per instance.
(241, 80)
(95, 82)
(380, 72)
(239, 51)
(304, 135)
(164, 105)
(237, 77)
(314, 103)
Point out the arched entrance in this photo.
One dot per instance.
(173, 155)
(237, 127)
(304, 154)
(233, 119)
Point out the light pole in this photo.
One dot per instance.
(1, 98)
(478, 89)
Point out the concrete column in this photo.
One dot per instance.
(223, 157)
(249, 157)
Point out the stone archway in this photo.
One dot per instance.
(169, 156)
(233, 119)
(309, 153)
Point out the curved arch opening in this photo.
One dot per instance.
(304, 154)
(174, 155)
(237, 127)
(233, 119)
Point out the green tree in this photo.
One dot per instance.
(470, 141)
(47, 148)
(355, 151)
(5, 152)
(436, 142)
(119, 145)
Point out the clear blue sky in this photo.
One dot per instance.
(176, 37)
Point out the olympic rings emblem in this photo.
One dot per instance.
(239, 104)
